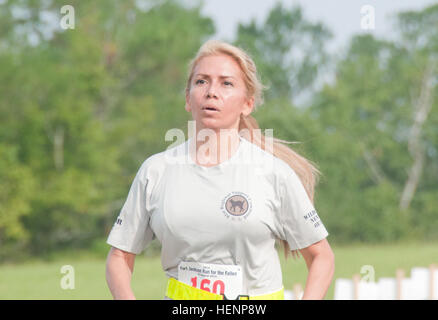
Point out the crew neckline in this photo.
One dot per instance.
(219, 167)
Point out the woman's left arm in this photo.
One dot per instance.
(320, 261)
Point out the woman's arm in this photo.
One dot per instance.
(119, 269)
(320, 261)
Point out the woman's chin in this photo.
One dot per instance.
(214, 124)
(211, 124)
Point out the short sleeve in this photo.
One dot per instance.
(300, 223)
(132, 231)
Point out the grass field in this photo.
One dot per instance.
(42, 279)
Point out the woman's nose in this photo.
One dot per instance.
(211, 91)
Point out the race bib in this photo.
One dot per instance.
(215, 278)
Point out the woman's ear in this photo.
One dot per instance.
(187, 106)
(248, 107)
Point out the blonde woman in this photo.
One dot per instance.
(218, 204)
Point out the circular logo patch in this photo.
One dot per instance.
(236, 204)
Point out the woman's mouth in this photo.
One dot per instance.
(209, 109)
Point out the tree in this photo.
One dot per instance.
(379, 112)
(288, 50)
(81, 109)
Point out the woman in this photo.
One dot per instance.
(218, 213)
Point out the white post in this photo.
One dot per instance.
(432, 268)
(356, 279)
(400, 274)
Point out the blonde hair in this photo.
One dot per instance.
(304, 168)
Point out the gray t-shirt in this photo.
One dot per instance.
(226, 214)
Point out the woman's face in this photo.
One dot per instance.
(217, 84)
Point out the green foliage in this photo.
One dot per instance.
(358, 128)
(289, 50)
(16, 189)
(368, 116)
(81, 109)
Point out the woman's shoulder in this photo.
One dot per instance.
(157, 162)
(267, 161)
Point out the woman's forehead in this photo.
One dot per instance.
(217, 66)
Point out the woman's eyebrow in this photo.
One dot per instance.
(208, 76)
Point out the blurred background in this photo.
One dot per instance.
(88, 92)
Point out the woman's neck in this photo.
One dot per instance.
(214, 147)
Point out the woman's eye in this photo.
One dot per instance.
(202, 81)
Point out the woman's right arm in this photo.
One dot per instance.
(119, 269)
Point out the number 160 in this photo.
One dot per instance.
(218, 285)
